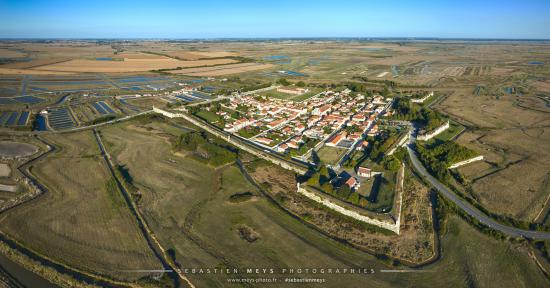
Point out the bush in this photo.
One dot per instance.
(212, 153)
(406, 110)
(354, 198)
(283, 82)
(102, 119)
(391, 163)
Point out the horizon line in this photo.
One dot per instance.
(280, 38)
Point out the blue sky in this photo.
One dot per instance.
(299, 18)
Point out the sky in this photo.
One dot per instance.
(527, 19)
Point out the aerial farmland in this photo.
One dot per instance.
(122, 163)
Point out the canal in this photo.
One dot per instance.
(22, 275)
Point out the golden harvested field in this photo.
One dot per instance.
(136, 55)
(515, 186)
(83, 221)
(71, 49)
(489, 112)
(513, 135)
(34, 63)
(13, 71)
(223, 69)
(195, 55)
(475, 169)
(398, 48)
(129, 65)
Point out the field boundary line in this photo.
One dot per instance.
(142, 223)
(57, 266)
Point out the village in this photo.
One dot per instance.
(340, 122)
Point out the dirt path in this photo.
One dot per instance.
(194, 214)
(148, 234)
(44, 261)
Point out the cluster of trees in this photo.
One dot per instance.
(448, 152)
(194, 109)
(393, 162)
(377, 147)
(308, 144)
(255, 87)
(283, 82)
(542, 246)
(326, 85)
(352, 129)
(344, 193)
(260, 98)
(406, 110)
(222, 92)
(388, 83)
(362, 88)
(380, 146)
(321, 179)
(208, 151)
(437, 157)
(249, 131)
(214, 108)
(101, 119)
(242, 108)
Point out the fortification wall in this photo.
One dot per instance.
(394, 227)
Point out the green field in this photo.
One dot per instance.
(454, 129)
(431, 100)
(200, 222)
(380, 191)
(83, 221)
(331, 155)
(210, 117)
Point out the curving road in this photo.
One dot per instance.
(467, 207)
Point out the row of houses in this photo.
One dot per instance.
(283, 125)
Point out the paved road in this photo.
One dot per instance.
(467, 207)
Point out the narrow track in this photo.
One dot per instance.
(150, 237)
